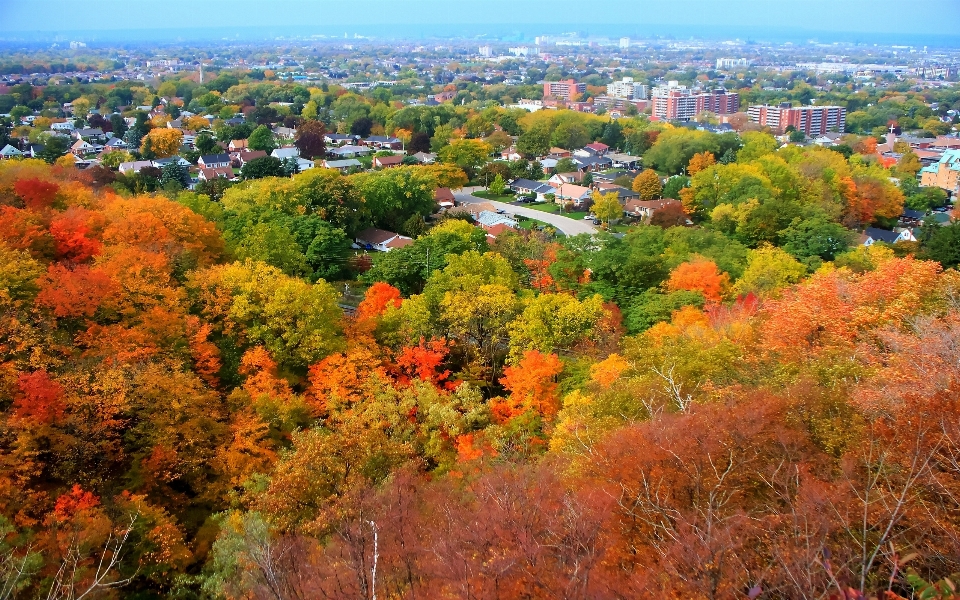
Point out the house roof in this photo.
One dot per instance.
(342, 164)
(489, 218)
(135, 165)
(349, 149)
(215, 158)
(498, 229)
(621, 191)
(382, 139)
(399, 242)
(248, 155)
(570, 190)
(288, 152)
(652, 205)
(913, 214)
(389, 160)
(444, 195)
(882, 235)
(238, 143)
(374, 236)
(599, 147)
(339, 136)
(9, 150)
(225, 172)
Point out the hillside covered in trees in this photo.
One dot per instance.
(752, 407)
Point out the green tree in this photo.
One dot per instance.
(815, 236)
(570, 135)
(469, 155)
(265, 166)
(275, 245)
(498, 186)
(206, 143)
(262, 139)
(652, 307)
(534, 142)
(54, 148)
(943, 246)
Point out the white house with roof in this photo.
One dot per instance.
(9, 151)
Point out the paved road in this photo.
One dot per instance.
(565, 224)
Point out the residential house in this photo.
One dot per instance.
(212, 173)
(564, 178)
(162, 162)
(383, 142)
(872, 235)
(624, 161)
(624, 195)
(610, 176)
(237, 145)
(284, 133)
(828, 140)
(214, 161)
(339, 139)
(511, 154)
(489, 218)
(387, 162)
(82, 148)
(175, 124)
(65, 126)
(558, 153)
(945, 174)
(286, 152)
(244, 157)
(9, 151)
(115, 143)
(383, 241)
(569, 192)
(445, 197)
(344, 166)
(425, 158)
(645, 209)
(349, 151)
(528, 186)
(592, 163)
(493, 231)
(94, 134)
(134, 166)
(33, 150)
(548, 165)
(597, 148)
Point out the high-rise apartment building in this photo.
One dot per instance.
(486, 51)
(628, 89)
(732, 63)
(675, 102)
(812, 120)
(563, 90)
(624, 43)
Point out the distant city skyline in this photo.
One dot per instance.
(829, 20)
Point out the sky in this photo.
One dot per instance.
(685, 18)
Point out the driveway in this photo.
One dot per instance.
(568, 226)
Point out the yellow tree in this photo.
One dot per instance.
(163, 141)
(607, 206)
(648, 185)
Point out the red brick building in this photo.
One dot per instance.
(812, 120)
(677, 103)
(563, 90)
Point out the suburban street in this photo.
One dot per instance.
(568, 226)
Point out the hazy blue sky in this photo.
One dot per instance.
(934, 17)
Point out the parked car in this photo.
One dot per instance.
(588, 217)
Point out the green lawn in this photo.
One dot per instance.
(490, 196)
(553, 208)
